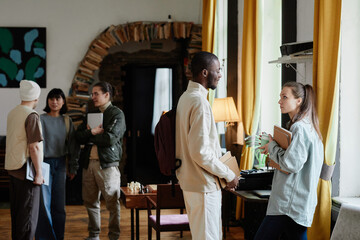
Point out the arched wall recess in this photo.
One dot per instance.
(118, 35)
(123, 33)
(102, 56)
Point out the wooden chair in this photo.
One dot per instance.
(167, 198)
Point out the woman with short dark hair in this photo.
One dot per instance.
(59, 142)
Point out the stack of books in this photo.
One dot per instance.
(77, 109)
(282, 137)
(195, 45)
(182, 29)
(123, 33)
(116, 35)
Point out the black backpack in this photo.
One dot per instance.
(164, 140)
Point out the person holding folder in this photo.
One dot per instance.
(24, 143)
(100, 157)
(197, 145)
(293, 196)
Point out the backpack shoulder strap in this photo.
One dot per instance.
(67, 125)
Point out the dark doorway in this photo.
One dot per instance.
(139, 88)
(133, 76)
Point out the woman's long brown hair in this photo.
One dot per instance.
(308, 104)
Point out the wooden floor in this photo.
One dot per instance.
(76, 225)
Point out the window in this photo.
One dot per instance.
(349, 99)
(221, 33)
(270, 76)
(162, 94)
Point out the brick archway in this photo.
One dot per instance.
(124, 33)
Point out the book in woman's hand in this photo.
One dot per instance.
(282, 137)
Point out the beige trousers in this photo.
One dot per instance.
(204, 212)
(96, 181)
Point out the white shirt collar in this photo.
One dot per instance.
(194, 86)
(104, 107)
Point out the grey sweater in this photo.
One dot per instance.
(55, 140)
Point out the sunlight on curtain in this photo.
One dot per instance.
(248, 76)
(327, 15)
(208, 33)
(260, 81)
(248, 65)
(208, 25)
(162, 94)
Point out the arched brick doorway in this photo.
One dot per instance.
(108, 60)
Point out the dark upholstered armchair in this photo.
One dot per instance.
(167, 198)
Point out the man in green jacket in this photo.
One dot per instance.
(100, 158)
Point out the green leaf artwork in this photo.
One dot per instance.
(22, 56)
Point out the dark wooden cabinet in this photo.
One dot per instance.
(4, 177)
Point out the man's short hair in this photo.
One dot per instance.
(202, 60)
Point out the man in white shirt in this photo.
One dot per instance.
(198, 147)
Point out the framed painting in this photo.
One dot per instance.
(22, 55)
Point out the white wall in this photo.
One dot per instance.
(71, 25)
(350, 99)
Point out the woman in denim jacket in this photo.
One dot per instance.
(293, 196)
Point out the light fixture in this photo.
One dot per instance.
(224, 110)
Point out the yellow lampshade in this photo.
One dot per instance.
(224, 110)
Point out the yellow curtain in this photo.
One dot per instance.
(248, 83)
(208, 25)
(248, 77)
(208, 33)
(327, 14)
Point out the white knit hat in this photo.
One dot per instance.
(29, 90)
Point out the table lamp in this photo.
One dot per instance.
(224, 110)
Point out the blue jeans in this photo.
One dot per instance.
(280, 227)
(51, 223)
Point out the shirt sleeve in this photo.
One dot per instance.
(32, 128)
(294, 157)
(200, 147)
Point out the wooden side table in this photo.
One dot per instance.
(137, 201)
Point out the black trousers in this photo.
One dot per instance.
(24, 206)
(280, 227)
